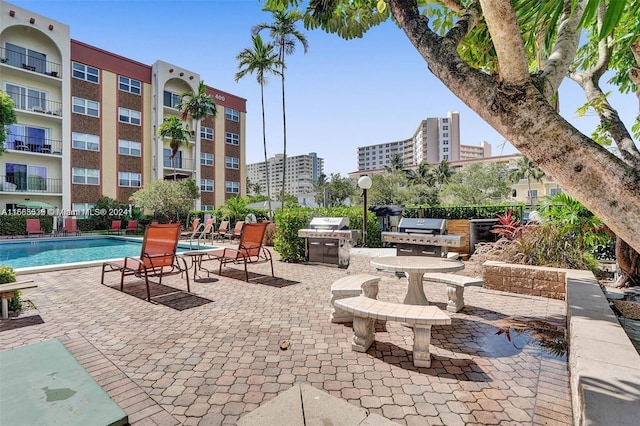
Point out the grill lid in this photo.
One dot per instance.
(423, 225)
(330, 223)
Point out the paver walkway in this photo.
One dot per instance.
(213, 356)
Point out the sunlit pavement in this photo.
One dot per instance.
(211, 356)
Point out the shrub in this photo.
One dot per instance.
(8, 275)
(286, 240)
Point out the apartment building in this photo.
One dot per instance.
(88, 119)
(434, 140)
(302, 172)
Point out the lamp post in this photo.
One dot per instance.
(364, 183)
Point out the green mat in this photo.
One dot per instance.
(43, 384)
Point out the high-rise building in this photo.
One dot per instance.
(88, 120)
(302, 171)
(434, 140)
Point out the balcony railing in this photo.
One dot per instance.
(35, 104)
(30, 63)
(22, 183)
(34, 144)
(179, 163)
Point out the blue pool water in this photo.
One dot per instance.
(55, 251)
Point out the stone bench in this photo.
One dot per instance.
(366, 311)
(455, 287)
(7, 291)
(351, 286)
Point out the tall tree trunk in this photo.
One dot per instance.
(264, 143)
(284, 141)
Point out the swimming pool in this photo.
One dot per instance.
(80, 251)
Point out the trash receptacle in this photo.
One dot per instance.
(480, 232)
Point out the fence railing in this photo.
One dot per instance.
(20, 182)
(30, 62)
(34, 144)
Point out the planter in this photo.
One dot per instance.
(525, 279)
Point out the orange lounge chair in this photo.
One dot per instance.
(250, 249)
(237, 231)
(222, 230)
(33, 228)
(132, 226)
(71, 226)
(116, 226)
(194, 227)
(157, 258)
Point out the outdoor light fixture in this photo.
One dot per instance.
(364, 183)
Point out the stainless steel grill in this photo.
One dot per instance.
(423, 237)
(329, 240)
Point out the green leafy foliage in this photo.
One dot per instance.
(172, 199)
(477, 184)
(17, 224)
(466, 212)
(8, 275)
(7, 116)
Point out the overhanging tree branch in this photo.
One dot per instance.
(465, 24)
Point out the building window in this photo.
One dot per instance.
(133, 180)
(206, 207)
(19, 56)
(445, 135)
(26, 98)
(130, 85)
(445, 120)
(129, 116)
(26, 177)
(232, 114)
(171, 100)
(85, 72)
(83, 210)
(232, 138)
(206, 159)
(86, 141)
(445, 149)
(206, 185)
(232, 187)
(86, 176)
(86, 107)
(555, 191)
(206, 133)
(445, 127)
(25, 137)
(232, 163)
(445, 157)
(131, 148)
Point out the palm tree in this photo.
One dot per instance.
(261, 60)
(285, 34)
(396, 164)
(178, 135)
(199, 105)
(421, 176)
(443, 172)
(526, 169)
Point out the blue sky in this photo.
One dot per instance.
(340, 94)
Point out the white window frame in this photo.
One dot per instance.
(85, 107)
(555, 191)
(176, 99)
(232, 114)
(206, 159)
(232, 187)
(129, 116)
(85, 141)
(206, 133)
(232, 163)
(129, 148)
(232, 138)
(206, 207)
(129, 179)
(206, 185)
(88, 176)
(129, 85)
(82, 210)
(85, 72)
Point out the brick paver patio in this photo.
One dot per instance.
(209, 357)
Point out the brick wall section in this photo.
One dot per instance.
(524, 279)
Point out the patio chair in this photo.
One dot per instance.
(237, 231)
(157, 258)
(33, 228)
(71, 226)
(116, 227)
(250, 249)
(132, 226)
(222, 230)
(194, 227)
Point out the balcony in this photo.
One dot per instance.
(30, 63)
(179, 163)
(35, 104)
(35, 184)
(35, 145)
